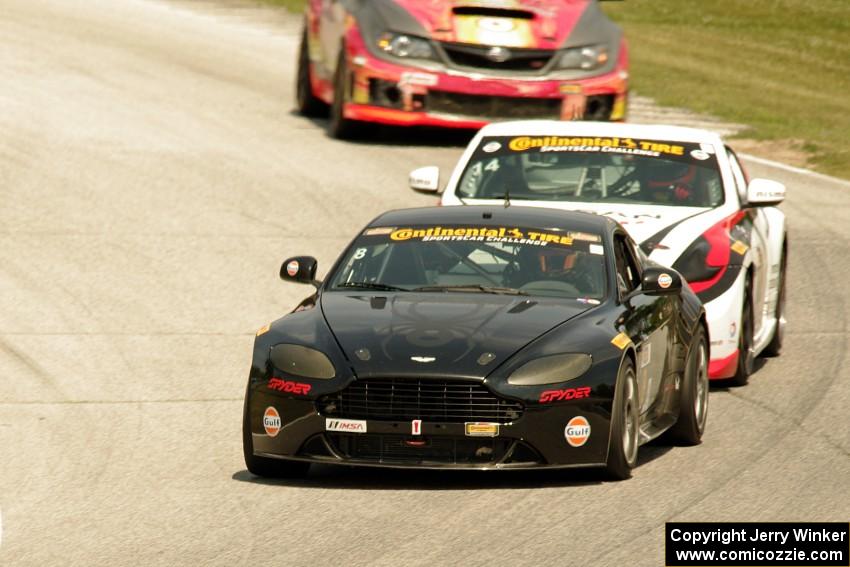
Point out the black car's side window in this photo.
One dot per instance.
(628, 274)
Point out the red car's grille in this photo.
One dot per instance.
(504, 59)
(485, 106)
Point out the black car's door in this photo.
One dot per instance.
(648, 322)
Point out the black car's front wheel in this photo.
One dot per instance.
(693, 404)
(625, 425)
(263, 466)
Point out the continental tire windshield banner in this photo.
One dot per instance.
(501, 234)
(697, 154)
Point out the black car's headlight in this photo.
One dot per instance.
(551, 370)
(405, 46)
(302, 361)
(584, 58)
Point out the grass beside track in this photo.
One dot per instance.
(780, 66)
(291, 5)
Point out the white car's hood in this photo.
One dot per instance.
(641, 221)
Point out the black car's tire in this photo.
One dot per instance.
(774, 348)
(339, 126)
(306, 102)
(263, 466)
(625, 423)
(693, 404)
(746, 358)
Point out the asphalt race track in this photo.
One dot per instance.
(152, 179)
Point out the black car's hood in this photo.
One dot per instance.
(429, 334)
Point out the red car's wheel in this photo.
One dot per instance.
(307, 103)
(339, 126)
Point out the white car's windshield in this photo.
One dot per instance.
(475, 259)
(615, 170)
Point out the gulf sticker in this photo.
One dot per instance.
(664, 281)
(271, 422)
(577, 431)
(292, 268)
(621, 341)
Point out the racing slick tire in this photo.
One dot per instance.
(306, 102)
(693, 404)
(774, 347)
(625, 415)
(263, 466)
(339, 126)
(746, 358)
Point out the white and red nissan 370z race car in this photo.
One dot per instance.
(681, 193)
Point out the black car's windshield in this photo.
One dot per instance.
(466, 259)
(615, 170)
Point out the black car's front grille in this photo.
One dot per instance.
(486, 106)
(488, 57)
(401, 399)
(400, 449)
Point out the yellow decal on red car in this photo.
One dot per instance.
(496, 31)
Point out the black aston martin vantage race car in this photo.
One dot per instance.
(479, 338)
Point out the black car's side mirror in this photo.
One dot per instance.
(299, 269)
(661, 281)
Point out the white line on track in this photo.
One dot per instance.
(792, 169)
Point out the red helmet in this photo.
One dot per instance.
(671, 176)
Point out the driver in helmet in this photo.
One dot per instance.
(669, 182)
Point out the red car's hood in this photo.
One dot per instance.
(540, 24)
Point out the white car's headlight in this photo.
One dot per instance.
(405, 46)
(584, 58)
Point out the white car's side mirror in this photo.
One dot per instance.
(764, 193)
(425, 179)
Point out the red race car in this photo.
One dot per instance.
(459, 63)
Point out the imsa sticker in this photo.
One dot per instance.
(346, 425)
(481, 429)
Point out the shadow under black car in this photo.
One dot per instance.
(378, 478)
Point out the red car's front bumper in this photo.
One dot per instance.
(389, 93)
